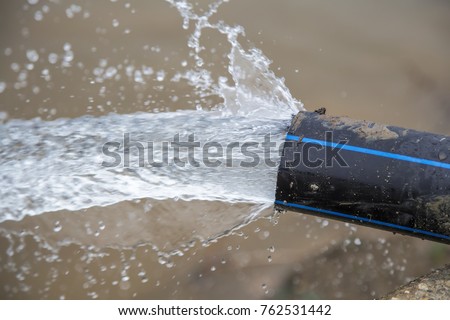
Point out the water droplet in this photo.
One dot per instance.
(357, 241)
(38, 16)
(115, 23)
(442, 155)
(269, 258)
(138, 76)
(144, 279)
(264, 287)
(147, 206)
(2, 86)
(57, 227)
(264, 235)
(143, 276)
(68, 56)
(10, 251)
(213, 268)
(147, 70)
(33, 2)
(15, 67)
(165, 261)
(110, 72)
(32, 55)
(52, 58)
(125, 283)
(185, 23)
(160, 75)
(271, 249)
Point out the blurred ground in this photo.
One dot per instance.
(433, 286)
(385, 61)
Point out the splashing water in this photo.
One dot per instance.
(256, 90)
(57, 165)
(49, 166)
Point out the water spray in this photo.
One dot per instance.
(361, 172)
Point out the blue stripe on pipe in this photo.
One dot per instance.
(370, 151)
(348, 216)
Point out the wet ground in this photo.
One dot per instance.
(385, 61)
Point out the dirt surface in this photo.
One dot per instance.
(433, 286)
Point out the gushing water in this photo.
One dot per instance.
(59, 165)
(48, 166)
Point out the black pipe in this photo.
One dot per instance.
(366, 173)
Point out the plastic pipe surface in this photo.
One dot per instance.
(361, 172)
